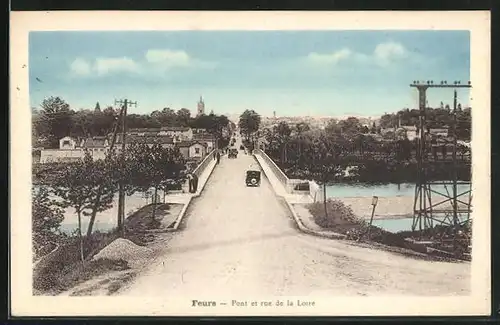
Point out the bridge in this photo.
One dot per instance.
(245, 240)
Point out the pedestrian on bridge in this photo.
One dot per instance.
(191, 182)
(217, 156)
(195, 183)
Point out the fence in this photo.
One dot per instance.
(204, 163)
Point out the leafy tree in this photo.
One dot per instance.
(283, 131)
(155, 166)
(350, 126)
(79, 186)
(388, 121)
(324, 162)
(56, 117)
(183, 116)
(46, 221)
(301, 128)
(249, 122)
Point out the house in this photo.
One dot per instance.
(411, 131)
(184, 133)
(68, 143)
(97, 146)
(71, 149)
(150, 140)
(199, 130)
(205, 138)
(440, 132)
(192, 149)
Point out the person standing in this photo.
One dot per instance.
(195, 183)
(191, 182)
(217, 156)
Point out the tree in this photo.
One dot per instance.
(183, 116)
(155, 166)
(46, 221)
(56, 116)
(249, 122)
(324, 162)
(97, 107)
(79, 186)
(165, 117)
(388, 121)
(301, 128)
(373, 129)
(283, 132)
(350, 126)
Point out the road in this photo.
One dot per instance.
(242, 240)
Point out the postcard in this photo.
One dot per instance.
(250, 163)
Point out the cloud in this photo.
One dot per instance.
(168, 57)
(109, 65)
(154, 61)
(332, 58)
(383, 55)
(386, 53)
(80, 67)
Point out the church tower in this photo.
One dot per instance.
(201, 107)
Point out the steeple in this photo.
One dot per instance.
(201, 107)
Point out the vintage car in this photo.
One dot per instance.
(253, 178)
(233, 153)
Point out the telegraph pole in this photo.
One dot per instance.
(121, 192)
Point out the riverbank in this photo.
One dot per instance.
(396, 207)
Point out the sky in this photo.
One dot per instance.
(294, 73)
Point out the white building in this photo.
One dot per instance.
(192, 149)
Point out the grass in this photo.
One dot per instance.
(54, 280)
(64, 270)
(341, 219)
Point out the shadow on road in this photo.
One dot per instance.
(240, 241)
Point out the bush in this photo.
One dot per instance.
(338, 214)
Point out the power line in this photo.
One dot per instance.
(121, 191)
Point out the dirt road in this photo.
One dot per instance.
(242, 240)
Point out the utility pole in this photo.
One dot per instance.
(121, 191)
(99, 190)
(423, 205)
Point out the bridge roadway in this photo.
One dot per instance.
(242, 240)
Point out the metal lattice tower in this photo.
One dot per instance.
(452, 204)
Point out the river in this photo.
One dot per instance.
(106, 220)
(400, 194)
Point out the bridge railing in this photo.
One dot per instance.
(204, 163)
(292, 186)
(280, 175)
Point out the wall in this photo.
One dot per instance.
(184, 152)
(53, 155)
(280, 175)
(289, 184)
(62, 155)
